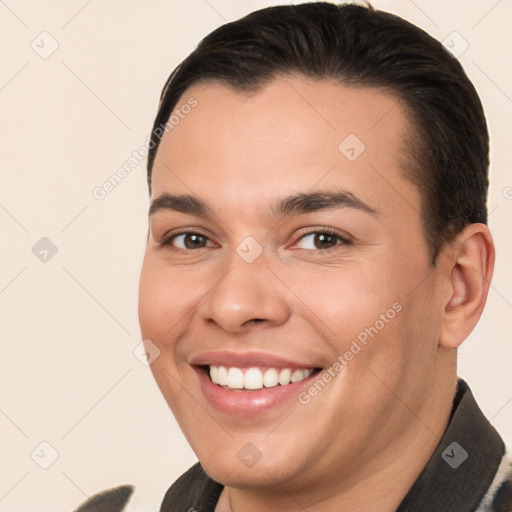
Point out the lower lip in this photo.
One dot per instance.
(249, 403)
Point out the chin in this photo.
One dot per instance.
(231, 473)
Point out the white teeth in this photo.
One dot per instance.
(235, 378)
(284, 376)
(297, 375)
(254, 378)
(270, 378)
(222, 376)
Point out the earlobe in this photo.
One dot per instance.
(469, 272)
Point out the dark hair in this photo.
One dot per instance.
(360, 46)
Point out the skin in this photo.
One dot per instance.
(363, 440)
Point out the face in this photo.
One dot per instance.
(297, 251)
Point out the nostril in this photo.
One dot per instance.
(255, 320)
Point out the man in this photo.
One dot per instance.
(317, 252)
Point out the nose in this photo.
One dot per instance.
(245, 294)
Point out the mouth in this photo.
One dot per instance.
(251, 384)
(255, 378)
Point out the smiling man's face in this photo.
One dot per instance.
(297, 246)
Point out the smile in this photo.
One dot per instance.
(256, 377)
(251, 384)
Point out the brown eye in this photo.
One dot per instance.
(188, 241)
(318, 240)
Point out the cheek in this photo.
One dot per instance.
(345, 299)
(150, 302)
(370, 317)
(160, 310)
(402, 357)
(163, 301)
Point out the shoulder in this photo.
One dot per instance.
(194, 490)
(110, 500)
(499, 495)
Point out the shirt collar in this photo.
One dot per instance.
(464, 463)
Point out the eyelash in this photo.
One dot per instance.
(343, 239)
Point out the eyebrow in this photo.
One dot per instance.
(296, 204)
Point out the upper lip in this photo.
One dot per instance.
(247, 359)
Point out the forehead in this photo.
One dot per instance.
(294, 133)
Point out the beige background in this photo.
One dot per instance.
(69, 325)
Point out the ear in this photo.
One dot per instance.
(469, 267)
